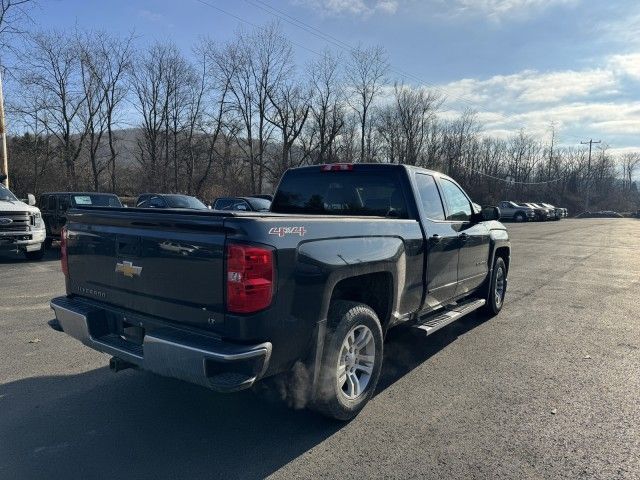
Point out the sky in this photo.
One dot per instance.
(517, 63)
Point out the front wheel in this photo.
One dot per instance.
(497, 287)
(519, 217)
(352, 360)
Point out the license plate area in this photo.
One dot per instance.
(119, 325)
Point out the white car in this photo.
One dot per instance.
(21, 226)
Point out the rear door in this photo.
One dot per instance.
(441, 272)
(473, 238)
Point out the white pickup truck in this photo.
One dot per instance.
(21, 225)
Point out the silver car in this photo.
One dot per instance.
(518, 213)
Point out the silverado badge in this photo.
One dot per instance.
(128, 269)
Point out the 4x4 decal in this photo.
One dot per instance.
(282, 231)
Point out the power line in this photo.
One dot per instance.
(247, 22)
(282, 15)
(511, 181)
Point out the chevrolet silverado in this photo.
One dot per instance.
(226, 298)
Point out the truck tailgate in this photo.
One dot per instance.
(163, 263)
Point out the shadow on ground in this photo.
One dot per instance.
(8, 257)
(137, 425)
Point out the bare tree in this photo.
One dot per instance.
(404, 124)
(152, 86)
(630, 162)
(327, 107)
(290, 112)
(365, 72)
(53, 74)
(12, 15)
(111, 63)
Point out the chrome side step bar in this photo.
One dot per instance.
(433, 324)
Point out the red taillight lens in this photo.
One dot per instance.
(64, 262)
(249, 278)
(337, 167)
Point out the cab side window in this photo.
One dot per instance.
(459, 208)
(52, 203)
(429, 197)
(156, 202)
(63, 203)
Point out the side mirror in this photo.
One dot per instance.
(31, 200)
(490, 213)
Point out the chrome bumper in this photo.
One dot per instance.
(168, 351)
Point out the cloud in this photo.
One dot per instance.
(499, 9)
(590, 102)
(150, 15)
(531, 86)
(492, 9)
(354, 7)
(627, 64)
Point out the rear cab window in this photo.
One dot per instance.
(359, 192)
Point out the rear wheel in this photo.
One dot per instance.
(519, 217)
(352, 360)
(497, 287)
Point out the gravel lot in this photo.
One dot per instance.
(548, 389)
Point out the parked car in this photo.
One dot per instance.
(246, 204)
(557, 212)
(54, 206)
(519, 213)
(541, 213)
(169, 200)
(22, 229)
(347, 252)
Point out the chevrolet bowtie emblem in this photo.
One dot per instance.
(128, 269)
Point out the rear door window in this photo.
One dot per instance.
(459, 208)
(429, 197)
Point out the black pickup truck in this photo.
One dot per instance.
(225, 298)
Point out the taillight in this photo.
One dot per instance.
(337, 167)
(64, 261)
(249, 278)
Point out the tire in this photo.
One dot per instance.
(519, 217)
(350, 325)
(36, 254)
(497, 288)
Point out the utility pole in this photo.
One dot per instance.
(3, 137)
(590, 142)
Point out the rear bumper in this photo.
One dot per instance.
(171, 352)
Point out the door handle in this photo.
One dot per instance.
(463, 237)
(435, 238)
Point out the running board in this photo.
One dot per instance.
(433, 324)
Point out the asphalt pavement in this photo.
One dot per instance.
(548, 389)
